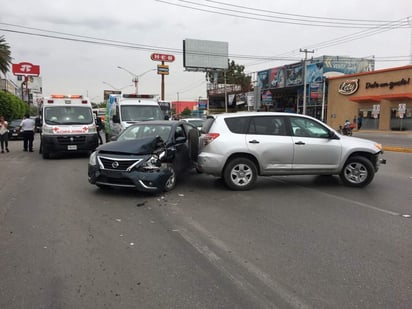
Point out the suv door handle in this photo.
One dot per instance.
(254, 142)
(300, 143)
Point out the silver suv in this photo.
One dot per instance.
(240, 146)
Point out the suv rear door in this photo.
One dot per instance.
(268, 141)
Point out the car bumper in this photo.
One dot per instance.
(210, 163)
(69, 143)
(15, 135)
(150, 181)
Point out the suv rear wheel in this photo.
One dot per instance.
(357, 172)
(240, 174)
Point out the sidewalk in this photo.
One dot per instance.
(399, 141)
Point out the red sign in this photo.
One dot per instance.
(26, 69)
(162, 57)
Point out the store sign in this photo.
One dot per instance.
(162, 57)
(390, 85)
(349, 87)
(25, 69)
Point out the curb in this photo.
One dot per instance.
(397, 149)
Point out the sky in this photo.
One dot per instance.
(79, 45)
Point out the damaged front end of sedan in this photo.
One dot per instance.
(144, 165)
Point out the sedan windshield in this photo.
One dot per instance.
(145, 130)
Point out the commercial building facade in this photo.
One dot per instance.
(382, 98)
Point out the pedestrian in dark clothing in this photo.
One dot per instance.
(27, 126)
(360, 120)
(100, 127)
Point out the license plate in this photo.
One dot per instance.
(71, 147)
(15, 134)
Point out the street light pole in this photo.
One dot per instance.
(304, 77)
(135, 79)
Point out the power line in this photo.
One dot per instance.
(297, 15)
(303, 20)
(129, 45)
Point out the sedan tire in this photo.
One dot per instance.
(240, 174)
(357, 172)
(171, 181)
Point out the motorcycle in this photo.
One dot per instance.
(347, 131)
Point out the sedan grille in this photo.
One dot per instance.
(117, 164)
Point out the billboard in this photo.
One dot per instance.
(107, 93)
(263, 79)
(35, 84)
(277, 77)
(202, 55)
(294, 74)
(272, 78)
(346, 65)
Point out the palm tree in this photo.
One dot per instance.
(5, 56)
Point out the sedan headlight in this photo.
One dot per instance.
(93, 158)
(152, 163)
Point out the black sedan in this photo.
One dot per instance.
(14, 129)
(148, 156)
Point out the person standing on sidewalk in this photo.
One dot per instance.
(28, 126)
(360, 120)
(4, 134)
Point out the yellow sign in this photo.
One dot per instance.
(162, 69)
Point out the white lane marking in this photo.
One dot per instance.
(236, 277)
(388, 212)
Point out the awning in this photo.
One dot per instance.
(378, 98)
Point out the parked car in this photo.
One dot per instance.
(14, 129)
(147, 156)
(197, 122)
(241, 146)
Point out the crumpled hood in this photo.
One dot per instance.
(137, 146)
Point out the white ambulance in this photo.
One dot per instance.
(122, 110)
(67, 125)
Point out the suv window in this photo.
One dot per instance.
(237, 124)
(208, 124)
(267, 126)
(308, 128)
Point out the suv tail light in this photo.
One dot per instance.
(210, 137)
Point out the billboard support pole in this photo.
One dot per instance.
(225, 92)
(163, 85)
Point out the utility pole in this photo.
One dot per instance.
(410, 51)
(304, 77)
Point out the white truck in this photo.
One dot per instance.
(122, 110)
(67, 125)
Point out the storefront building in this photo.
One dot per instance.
(381, 99)
(283, 88)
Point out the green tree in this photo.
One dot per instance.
(12, 107)
(5, 56)
(186, 112)
(234, 75)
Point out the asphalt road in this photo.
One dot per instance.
(292, 242)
